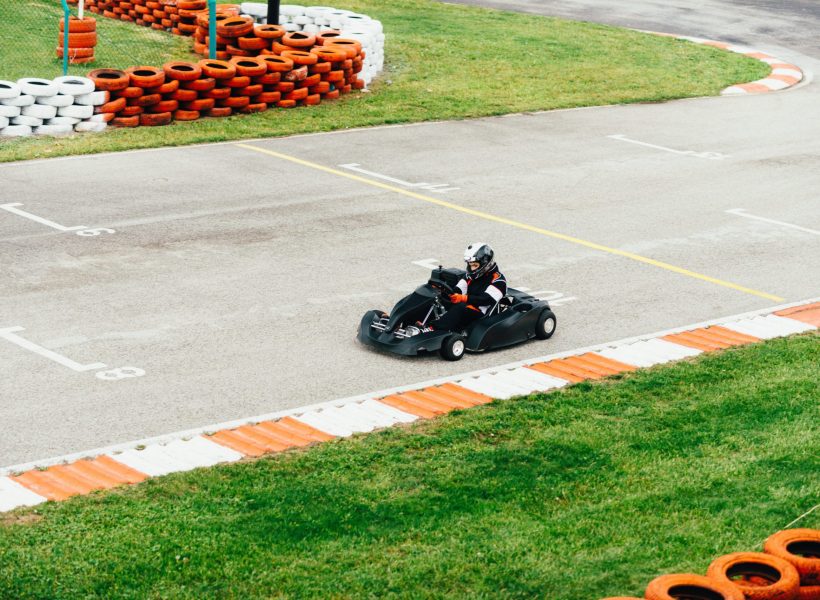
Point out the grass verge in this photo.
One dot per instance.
(579, 494)
(452, 62)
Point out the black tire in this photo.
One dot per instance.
(546, 324)
(453, 347)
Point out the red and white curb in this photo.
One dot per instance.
(62, 477)
(783, 74)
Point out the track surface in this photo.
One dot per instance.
(236, 277)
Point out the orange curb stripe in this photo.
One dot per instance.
(785, 66)
(437, 407)
(304, 429)
(610, 363)
(88, 470)
(459, 391)
(283, 435)
(754, 87)
(459, 398)
(590, 363)
(758, 55)
(408, 407)
(261, 437)
(230, 440)
(52, 485)
(720, 45)
(572, 365)
(694, 340)
(547, 369)
(790, 79)
(583, 366)
(739, 338)
(808, 313)
(124, 472)
(453, 403)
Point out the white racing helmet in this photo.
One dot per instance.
(482, 254)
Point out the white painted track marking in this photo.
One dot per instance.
(9, 334)
(707, 155)
(13, 495)
(741, 212)
(768, 327)
(12, 208)
(430, 187)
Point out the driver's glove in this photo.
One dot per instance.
(456, 298)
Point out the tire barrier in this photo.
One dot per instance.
(82, 38)
(787, 569)
(58, 106)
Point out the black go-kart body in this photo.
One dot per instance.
(516, 318)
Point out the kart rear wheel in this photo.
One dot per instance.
(546, 324)
(453, 347)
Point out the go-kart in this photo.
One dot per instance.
(516, 318)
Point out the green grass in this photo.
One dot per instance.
(579, 494)
(442, 62)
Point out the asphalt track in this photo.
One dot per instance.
(237, 273)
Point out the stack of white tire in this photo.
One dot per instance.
(33, 106)
(313, 19)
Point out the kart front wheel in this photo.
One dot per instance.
(546, 324)
(452, 348)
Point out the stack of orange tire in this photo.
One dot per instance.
(82, 38)
(159, 15)
(187, 12)
(111, 82)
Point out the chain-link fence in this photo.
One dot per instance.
(122, 33)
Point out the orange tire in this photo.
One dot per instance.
(169, 87)
(146, 100)
(277, 48)
(131, 111)
(323, 87)
(277, 64)
(155, 119)
(269, 32)
(358, 84)
(76, 52)
(623, 598)
(691, 587)
(320, 67)
(218, 69)
(72, 60)
(249, 90)
(298, 94)
(300, 57)
(129, 92)
(333, 76)
(183, 95)
(329, 54)
(164, 106)
(252, 43)
(267, 78)
(327, 35)
(79, 40)
(182, 71)
(107, 117)
(331, 95)
(200, 85)
(186, 115)
(192, 4)
(217, 93)
(228, 9)
(348, 43)
(285, 87)
(239, 81)
(109, 79)
(199, 105)
(801, 547)
(808, 592)
(75, 25)
(234, 27)
(200, 48)
(255, 107)
(234, 102)
(220, 112)
(286, 103)
(146, 76)
(779, 576)
(125, 121)
(311, 80)
(296, 74)
(249, 66)
(269, 97)
(313, 100)
(299, 39)
(237, 51)
(113, 106)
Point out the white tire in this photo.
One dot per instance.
(16, 131)
(34, 86)
(93, 99)
(74, 86)
(254, 9)
(335, 23)
(78, 111)
(9, 111)
(291, 10)
(283, 20)
(63, 121)
(9, 89)
(59, 100)
(311, 28)
(86, 126)
(303, 20)
(317, 11)
(291, 27)
(21, 100)
(25, 120)
(39, 111)
(321, 22)
(4, 122)
(53, 130)
(101, 118)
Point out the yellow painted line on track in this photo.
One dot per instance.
(517, 224)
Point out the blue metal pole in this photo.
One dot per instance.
(66, 16)
(211, 28)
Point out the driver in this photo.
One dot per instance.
(480, 290)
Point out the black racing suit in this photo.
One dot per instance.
(482, 294)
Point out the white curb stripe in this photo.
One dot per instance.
(323, 423)
(179, 455)
(769, 327)
(542, 381)
(378, 418)
(521, 380)
(362, 419)
(14, 495)
(389, 411)
(790, 72)
(487, 386)
(649, 353)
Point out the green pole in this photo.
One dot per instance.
(66, 16)
(211, 28)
